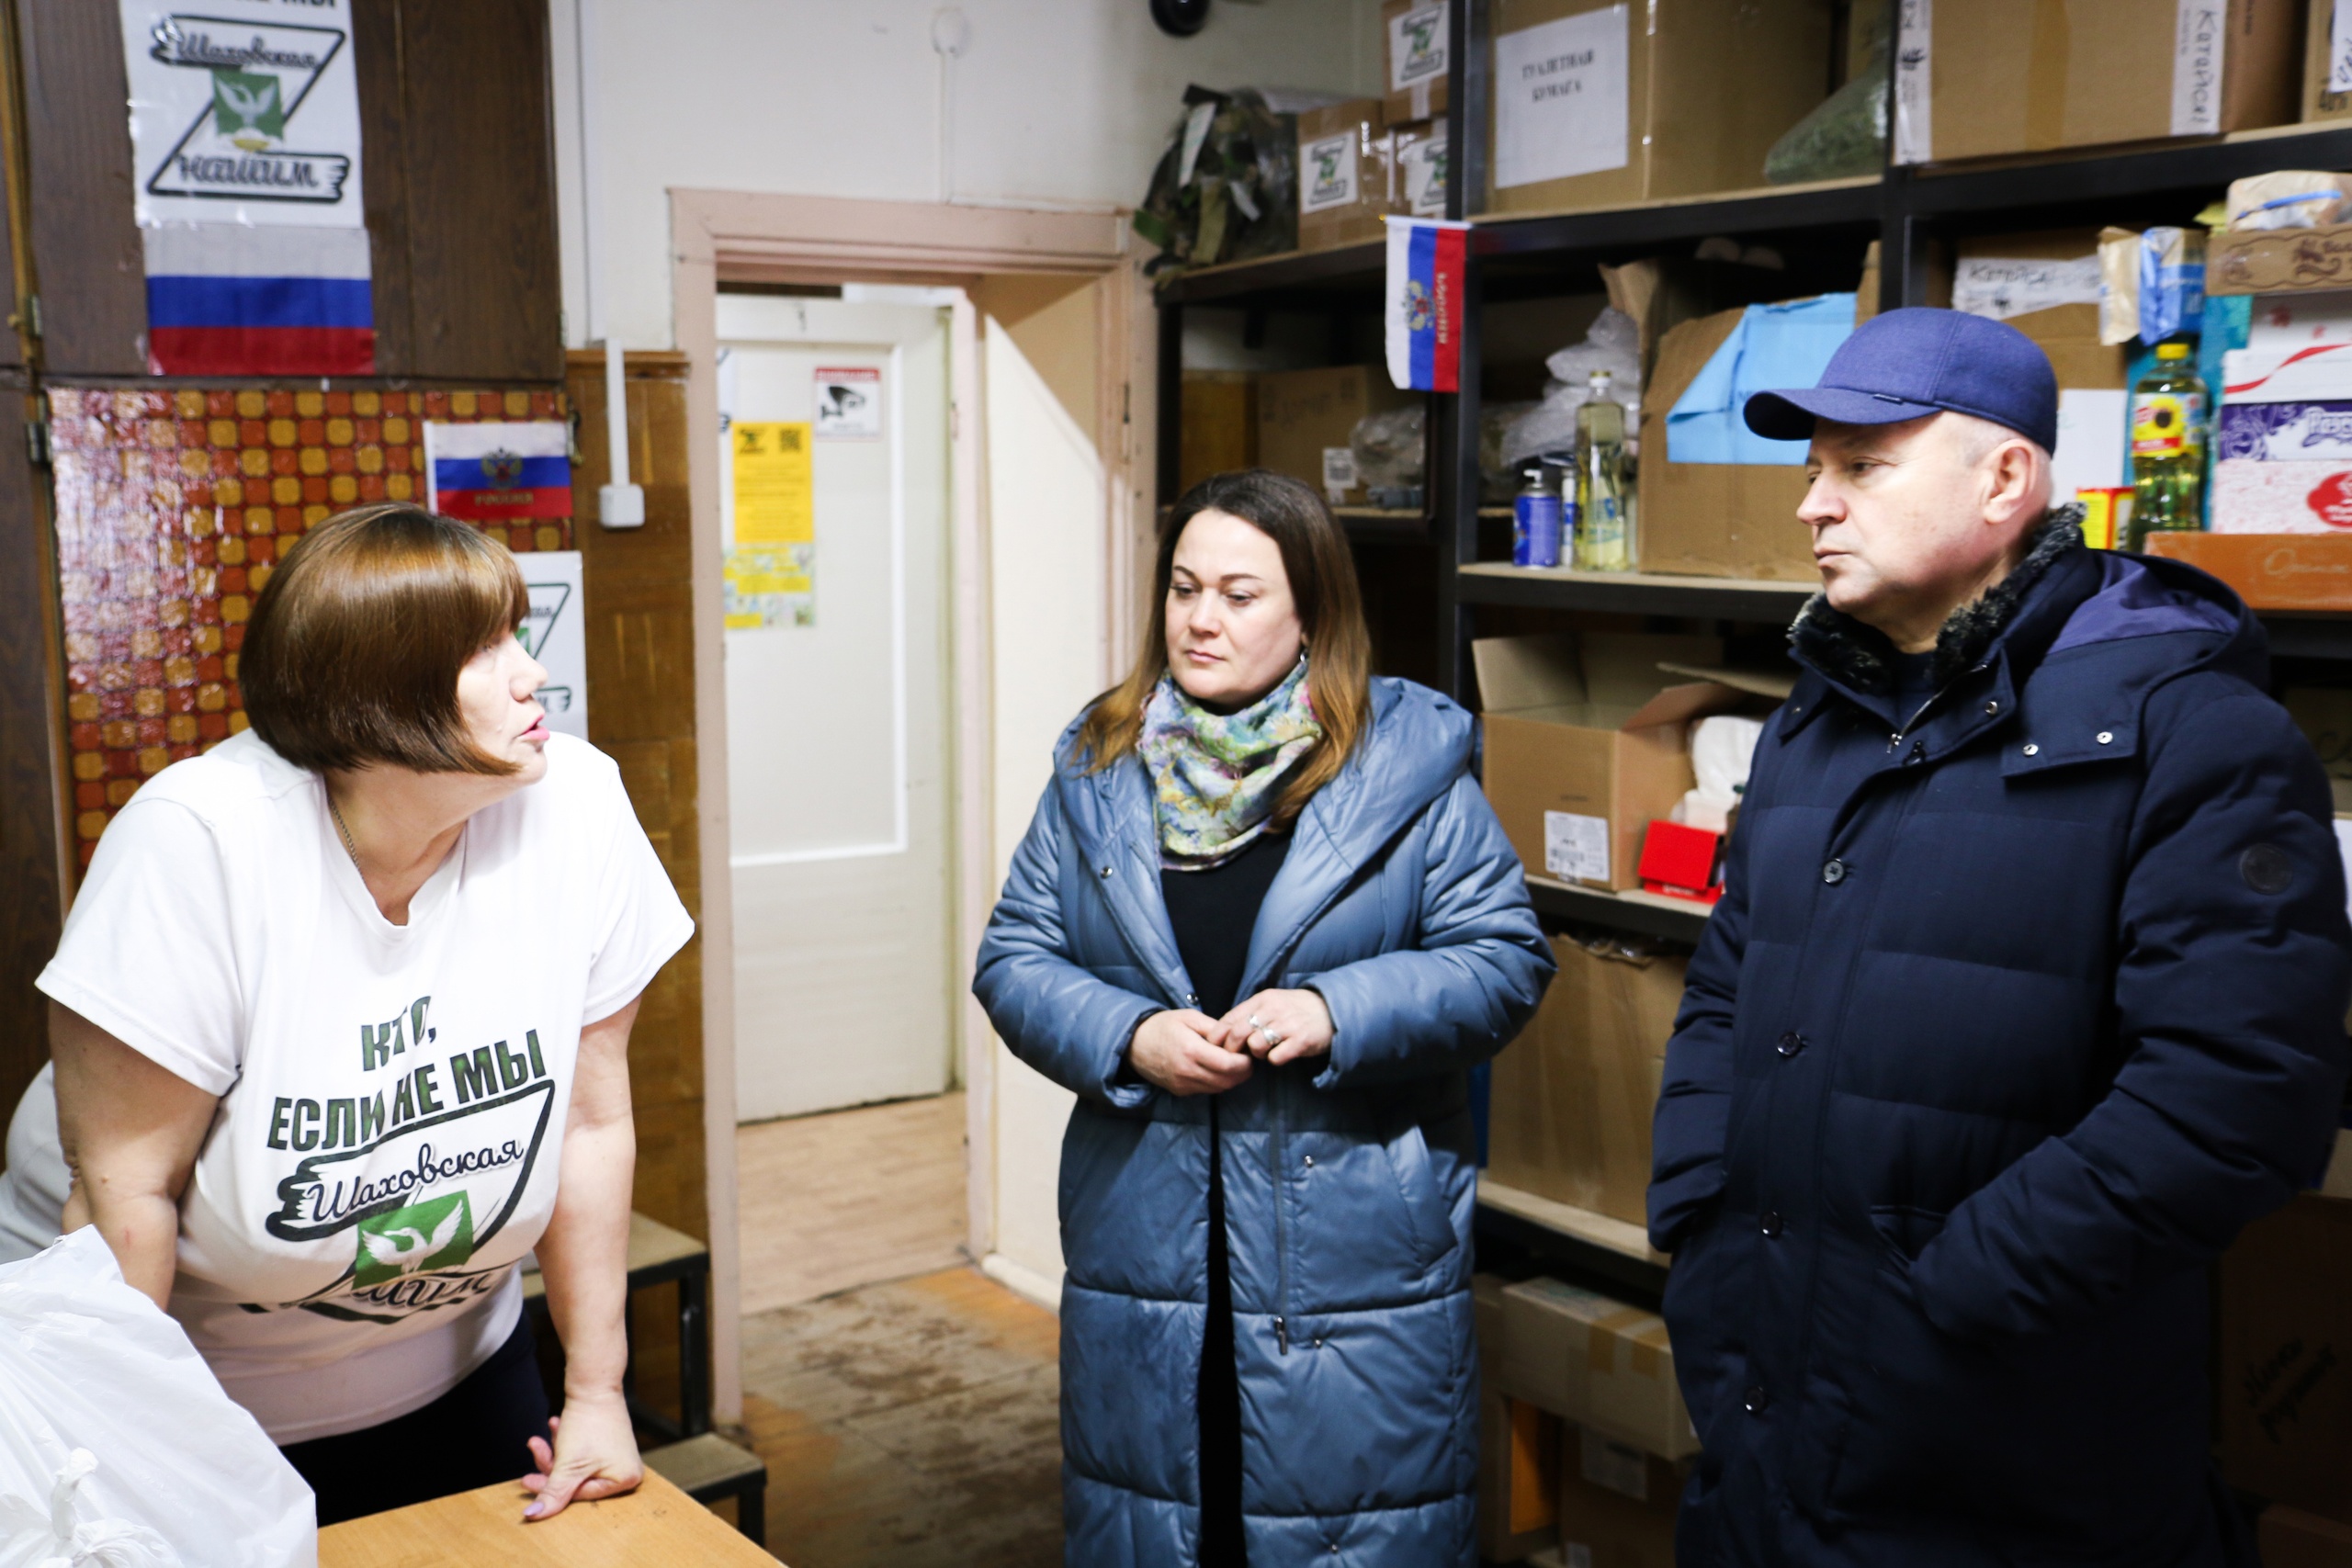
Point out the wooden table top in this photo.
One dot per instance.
(655, 1527)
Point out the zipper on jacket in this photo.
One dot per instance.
(1281, 1242)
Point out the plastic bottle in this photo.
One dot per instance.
(1604, 525)
(1536, 522)
(2167, 447)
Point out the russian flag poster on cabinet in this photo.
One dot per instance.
(244, 133)
(1426, 263)
(491, 472)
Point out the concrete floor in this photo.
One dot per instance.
(907, 1422)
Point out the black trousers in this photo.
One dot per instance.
(475, 1435)
(1220, 1391)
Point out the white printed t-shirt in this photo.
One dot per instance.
(392, 1097)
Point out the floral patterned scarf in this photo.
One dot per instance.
(1215, 775)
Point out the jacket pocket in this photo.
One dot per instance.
(1426, 1214)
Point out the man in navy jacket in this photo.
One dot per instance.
(2026, 993)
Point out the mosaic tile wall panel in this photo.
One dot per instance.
(172, 508)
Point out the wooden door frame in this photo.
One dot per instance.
(747, 237)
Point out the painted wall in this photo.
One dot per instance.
(1051, 103)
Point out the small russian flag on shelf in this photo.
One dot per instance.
(499, 472)
(245, 299)
(1427, 260)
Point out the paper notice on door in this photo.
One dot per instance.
(2197, 42)
(1914, 138)
(1560, 98)
(1576, 849)
(774, 486)
(849, 404)
(771, 586)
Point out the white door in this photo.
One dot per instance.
(836, 733)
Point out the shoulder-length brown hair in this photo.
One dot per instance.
(352, 656)
(1322, 573)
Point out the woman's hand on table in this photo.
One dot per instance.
(594, 1456)
(1281, 1026)
(1185, 1052)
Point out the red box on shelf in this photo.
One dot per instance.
(1681, 862)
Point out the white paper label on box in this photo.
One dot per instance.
(1560, 98)
(2002, 287)
(1576, 849)
(1340, 468)
(2339, 48)
(1417, 52)
(1327, 173)
(1423, 168)
(1621, 1468)
(2197, 42)
(1915, 140)
(2090, 439)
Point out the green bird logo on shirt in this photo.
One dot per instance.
(436, 1233)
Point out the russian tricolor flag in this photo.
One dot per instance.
(499, 473)
(1425, 263)
(245, 299)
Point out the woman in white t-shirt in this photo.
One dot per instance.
(340, 1022)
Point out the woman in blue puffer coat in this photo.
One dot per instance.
(1262, 923)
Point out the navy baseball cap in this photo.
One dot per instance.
(1914, 362)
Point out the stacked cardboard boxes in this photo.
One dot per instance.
(1305, 418)
(1347, 174)
(1586, 743)
(1600, 104)
(1996, 77)
(1569, 1117)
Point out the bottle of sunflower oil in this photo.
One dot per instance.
(1605, 527)
(2167, 447)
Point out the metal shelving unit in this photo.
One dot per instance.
(1823, 230)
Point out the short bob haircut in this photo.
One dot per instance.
(352, 656)
(1322, 573)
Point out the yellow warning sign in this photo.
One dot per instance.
(775, 490)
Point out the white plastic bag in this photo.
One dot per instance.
(87, 1363)
(58, 1539)
(1722, 749)
(1614, 343)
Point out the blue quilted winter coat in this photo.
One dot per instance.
(1349, 1182)
(2013, 1013)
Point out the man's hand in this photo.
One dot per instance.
(1185, 1052)
(1281, 1026)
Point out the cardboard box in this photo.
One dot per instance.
(1569, 1116)
(1599, 104)
(2285, 1357)
(1713, 519)
(2289, 1538)
(1519, 1447)
(2319, 103)
(1420, 155)
(1597, 1363)
(2324, 716)
(1304, 415)
(1617, 1504)
(2011, 77)
(2270, 571)
(1347, 176)
(2252, 496)
(1218, 430)
(1586, 741)
(1414, 41)
(2279, 261)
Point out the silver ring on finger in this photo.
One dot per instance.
(1272, 1039)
